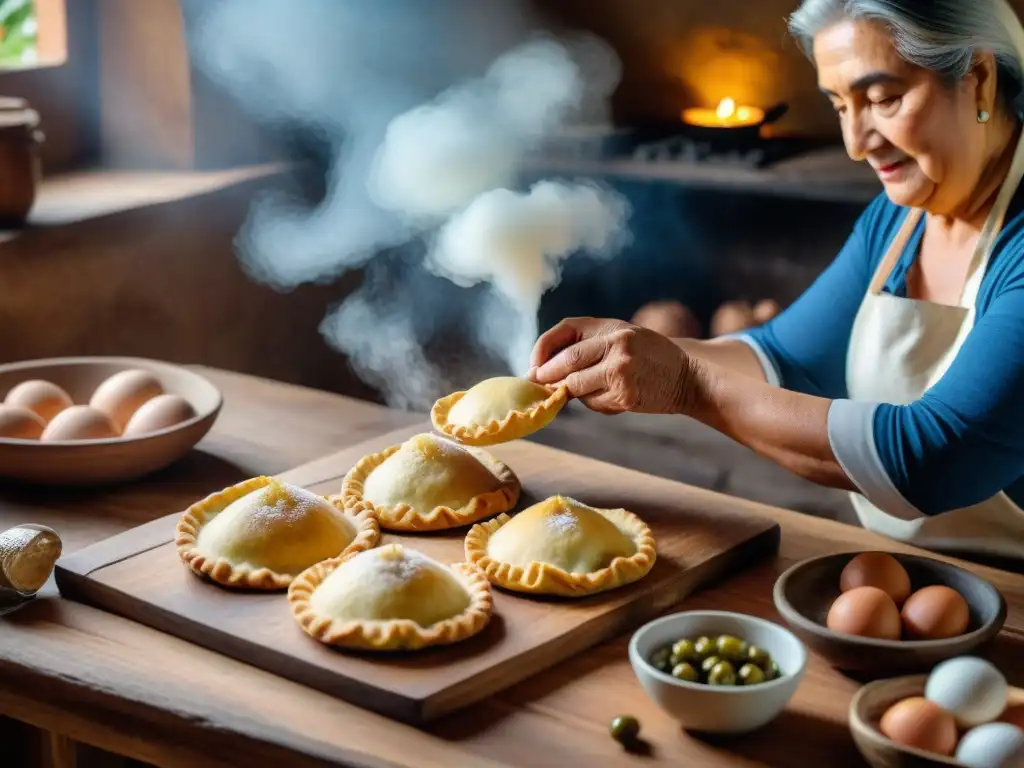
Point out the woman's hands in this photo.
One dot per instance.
(613, 366)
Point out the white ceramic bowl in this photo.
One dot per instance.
(714, 709)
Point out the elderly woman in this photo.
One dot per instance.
(898, 375)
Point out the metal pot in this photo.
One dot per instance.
(734, 137)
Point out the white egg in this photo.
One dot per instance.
(969, 688)
(994, 745)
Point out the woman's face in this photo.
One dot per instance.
(920, 134)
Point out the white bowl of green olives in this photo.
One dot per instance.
(716, 671)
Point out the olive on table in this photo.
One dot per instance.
(751, 674)
(686, 671)
(731, 648)
(722, 673)
(624, 729)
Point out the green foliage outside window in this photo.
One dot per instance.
(18, 32)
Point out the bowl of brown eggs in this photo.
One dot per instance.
(888, 613)
(96, 420)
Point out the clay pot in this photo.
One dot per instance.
(20, 166)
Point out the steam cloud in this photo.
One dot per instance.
(514, 241)
(429, 110)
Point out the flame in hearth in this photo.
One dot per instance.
(715, 62)
(726, 115)
(727, 110)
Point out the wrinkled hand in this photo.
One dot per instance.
(613, 366)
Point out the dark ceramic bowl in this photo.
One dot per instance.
(806, 591)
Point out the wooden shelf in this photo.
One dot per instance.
(823, 174)
(67, 198)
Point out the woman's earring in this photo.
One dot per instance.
(983, 116)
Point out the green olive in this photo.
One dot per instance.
(731, 648)
(686, 671)
(722, 674)
(709, 663)
(705, 646)
(772, 671)
(758, 655)
(685, 650)
(751, 674)
(661, 659)
(624, 729)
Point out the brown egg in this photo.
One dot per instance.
(42, 397)
(765, 310)
(159, 413)
(934, 612)
(20, 423)
(80, 422)
(122, 394)
(865, 612)
(731, 317)
(877, 569)
(669, 318)
(920, 723)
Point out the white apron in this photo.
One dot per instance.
(898, 349)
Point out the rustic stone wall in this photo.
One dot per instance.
(163, 281)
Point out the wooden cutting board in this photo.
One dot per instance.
(701, 537)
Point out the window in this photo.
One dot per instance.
(32, 33)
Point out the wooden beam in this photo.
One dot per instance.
(157, 111)
(145, 102)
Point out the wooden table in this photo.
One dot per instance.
(91, 677)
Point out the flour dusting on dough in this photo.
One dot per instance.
(284, 503)
(386, 568)
(562, 522)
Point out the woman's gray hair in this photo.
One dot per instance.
(940, 35)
